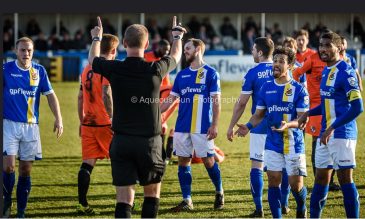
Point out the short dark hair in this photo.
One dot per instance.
(163, 42)
(301, 32)
(108, 43)
(266, 45)
(333, 37)
(196, 43)
(136, 35)
(286, 51)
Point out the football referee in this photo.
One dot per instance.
(136, 148)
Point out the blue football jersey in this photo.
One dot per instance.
(195, 87)
(22, 89)
(252, 83)
(303, 78)
(339, 86)
(349, 59)
(282, 103)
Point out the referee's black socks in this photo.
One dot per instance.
(150, 207)
(123, 210)
(83, 182)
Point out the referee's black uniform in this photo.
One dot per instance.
(136, 148)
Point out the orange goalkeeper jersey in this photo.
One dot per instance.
(313, 67)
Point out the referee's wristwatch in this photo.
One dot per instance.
(96, 39)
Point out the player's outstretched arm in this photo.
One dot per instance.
(177, 34)
(55, 108)
(96, 35)
(166, 103)
(291, 124)
(238, 110)
(256, 119)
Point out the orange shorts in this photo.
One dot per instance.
(314, 125)
(219, 156)
(315, 122)
(95, 142)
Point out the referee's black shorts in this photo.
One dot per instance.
(136, 159)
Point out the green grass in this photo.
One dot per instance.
(54, 179)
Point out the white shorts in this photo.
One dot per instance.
(295, 164)
(22, 139)
(337, 154)
(257, 146)
(186, 143)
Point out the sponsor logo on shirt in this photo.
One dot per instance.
(276, 108)
(16, 75)
(185, 76)
(264, 74)
(325, 93)
(191, 90)
(22, 92)
(271, 92)
(352, 81)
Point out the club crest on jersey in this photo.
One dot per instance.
(34, 75)
(201, 75)
(331, 76)
(289, 92)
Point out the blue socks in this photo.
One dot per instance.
(215, 176)
(351, 200)
(22, 192)
(257, 186)
(185, 180)
(285, 188)
(274, 201)
(9, 181)
(300, 198)
(318, 200)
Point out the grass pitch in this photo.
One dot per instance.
(54, 179)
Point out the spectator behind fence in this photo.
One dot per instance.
(41, 43)
(63, 29)
(194, 26)
(80, 41)
(248, 40)
(8, 42)
(209, 28)
(33, 28)
(227, 28)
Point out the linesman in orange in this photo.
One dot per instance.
(95, 109)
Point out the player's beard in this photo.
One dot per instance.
(190, 59)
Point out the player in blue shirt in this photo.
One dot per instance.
(24, 81)
(350, 60)
(198, 90)
(341, 103)
(282, 100)
(252, 81)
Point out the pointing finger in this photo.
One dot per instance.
(99, 22)
(174, 21)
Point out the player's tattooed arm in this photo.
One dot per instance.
(107, 99)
